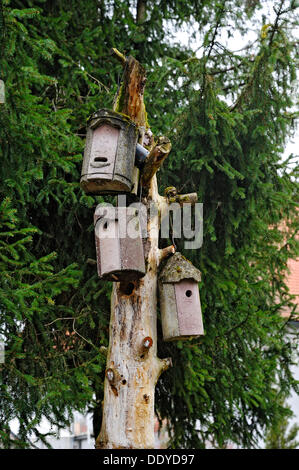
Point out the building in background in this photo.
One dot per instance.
(78, 436)
(293, 285)
(293, 280)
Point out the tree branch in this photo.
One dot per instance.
(279, 12)
(119, 56)
(166, 252)
(215, 31)
(155, 159)
(163, 364)
(172, 196)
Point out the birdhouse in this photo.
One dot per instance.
(179, 299)
(109, 154)
(119, 244)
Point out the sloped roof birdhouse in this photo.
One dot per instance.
(119, 246)
(109, 154)
(179, 299)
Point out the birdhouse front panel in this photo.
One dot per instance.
(109, 154)
(131, 246)
(103, 150)
(120, 256)
(188, 308)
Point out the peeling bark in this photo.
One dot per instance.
(133, 367)
(166, 252)
(129, 100)
(155, 159)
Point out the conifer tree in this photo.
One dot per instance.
(228, 115)
(281, 436)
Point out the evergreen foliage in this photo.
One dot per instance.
(228, 116)
(281, 436)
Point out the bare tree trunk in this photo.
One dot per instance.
(133, 367)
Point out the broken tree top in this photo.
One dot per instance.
(179, 268)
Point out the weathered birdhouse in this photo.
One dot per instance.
(179, 299)
(119, 244)
(109, 154)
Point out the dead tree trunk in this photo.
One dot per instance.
(133, 367)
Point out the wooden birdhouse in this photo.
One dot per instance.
(109, 154)
(119, 244)
(179, 299)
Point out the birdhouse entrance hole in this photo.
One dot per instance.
(127, 288)
(101, 159)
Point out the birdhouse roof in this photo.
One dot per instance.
(108, 114)
(178, 268)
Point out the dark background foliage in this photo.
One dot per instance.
(228, 115)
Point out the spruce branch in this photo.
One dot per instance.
(279, 13)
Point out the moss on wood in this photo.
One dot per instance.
(178, 268)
